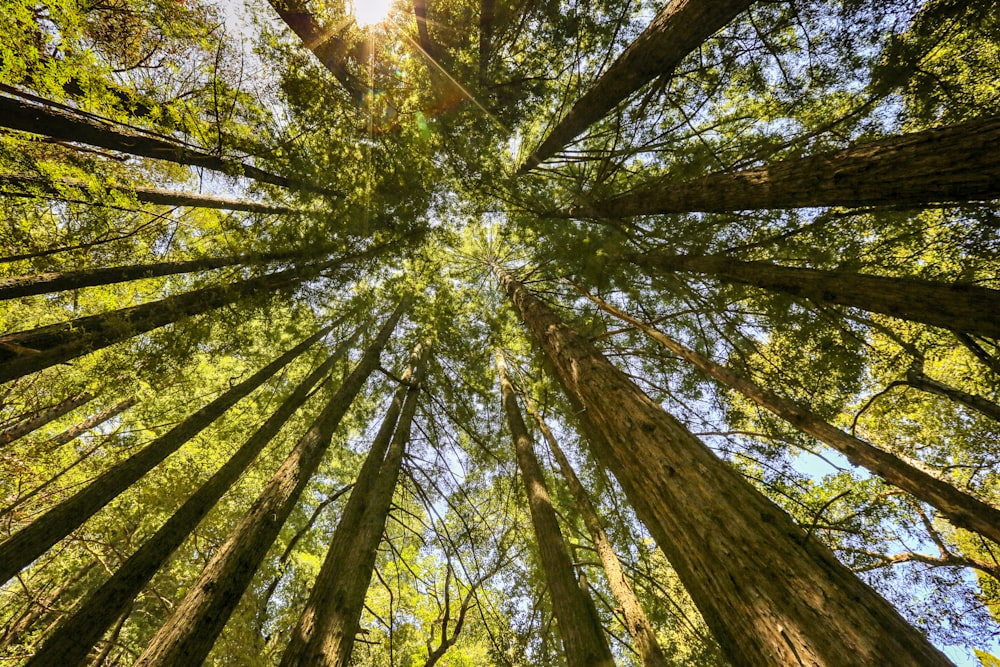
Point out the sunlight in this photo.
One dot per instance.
(370, 12)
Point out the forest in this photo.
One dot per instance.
(526, 333)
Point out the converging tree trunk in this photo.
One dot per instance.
(959, 307)
(679, 28)
(77, 634)
(956, 163)
(770, 593)
(75, 431)
(24, 546)
(636, 622)
(188, 635)
(576, 617)
(43, 417)
(324, 633)
(916, 378)
(43, 605)
(60, 124)
(961, 509)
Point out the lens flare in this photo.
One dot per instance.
(370, 12)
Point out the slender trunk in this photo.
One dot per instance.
(19, 550)
(324, 634)
(579, 625)
(65, 126)
(329, 48)
(956, 163)
(680, 28)
(960, 307)
(770, 594)
(25, 352)
(961, 509)
(77, 430)
(43, 417)
(636, 622)
(984, 357)
(188, 635)
(74, 637)
(41, 606)
(915, 378)
(36, 186)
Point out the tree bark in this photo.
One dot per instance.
(961, 509)
(43, 417)
(19, 550)
(679, 28)
(960, 307)
(915, 378)
(576, 617)
(770, 594)
(636, 622)
(94, 421)
(188, 635)
(956, 163)
(324, 633)
(36, 186)
(48, 121)
(74, 637)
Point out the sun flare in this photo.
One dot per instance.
(370, 12)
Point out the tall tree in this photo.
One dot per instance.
(95, 420)
(39, 419)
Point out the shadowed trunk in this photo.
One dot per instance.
(915, 378)
(19, 550)
(77, 430)
(188, 635)
(576, 617)
(41, 606)
(770, 594)
(959, 307)
(43, 417)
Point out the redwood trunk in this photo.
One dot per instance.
(579, 625)
(188, 635)
(770, 594)
(51, 122)
(915, 378)
(680, 28)
(77, 430)
(957, 163)
(19, 550)
(324, 634)
(43, 417)
(636, 622)
(959, 307)
(76, 635)
(961, 509)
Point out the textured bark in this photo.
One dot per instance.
(676, 31)
(76, 635)
(51, 122)
(188, 635)
(324, 633)
(19, 550)
(960, 307)
(36, 186)
(957, 163)
(25, 352)
(329, 48)
(915, 378)
(770, 594)
(636, 622)
(94, 421)
(576, 617)
(43, 417)
(960, 508)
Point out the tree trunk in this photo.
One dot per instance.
(77, 430)
(43, 417)
(961, 509)
(19, 550)
(636, 622)
(957, 163)
(42, 605)
(915, 378)
(188, 635)
(48, 121)
(960, 307)
(680, 28)
(770, 594)
(579, 625)
(74, 637)
(324, 634)
(36, 186)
